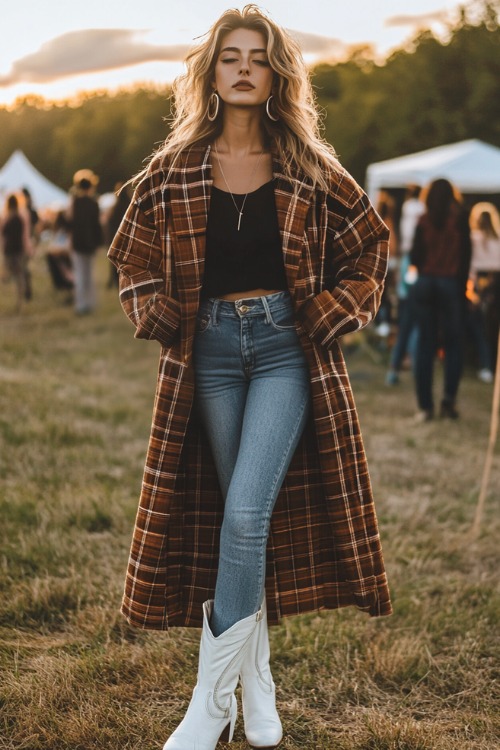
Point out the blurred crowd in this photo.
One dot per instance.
(441, 299)
(67, 237)
(442, 295)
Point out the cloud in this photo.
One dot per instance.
(91, 50)
(321, 46)
(419, 21)
(88, 51)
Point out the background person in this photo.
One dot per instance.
(485, 280)
(411, 211)
(33, 220)
(247, 251)
(58, 255)
(86, 236)
(17, 246)
(441, 252)
(386, 209)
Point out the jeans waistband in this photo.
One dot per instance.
(247, 306)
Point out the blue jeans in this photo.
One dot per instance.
(438, 309)
(253, 396)
(85, 287)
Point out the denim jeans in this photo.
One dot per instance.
(253, 396)
(85, 287)
(438, 309)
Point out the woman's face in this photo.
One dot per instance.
(243, 75)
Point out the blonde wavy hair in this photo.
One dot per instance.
(295, 136)
(484, 217)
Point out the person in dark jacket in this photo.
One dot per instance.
(16, 246)
(86, 236)
(33, 220)
(441, 252)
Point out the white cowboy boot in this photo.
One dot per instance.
(262, 724)
(211, 714)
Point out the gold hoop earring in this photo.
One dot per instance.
(268, 110)
(214, 103)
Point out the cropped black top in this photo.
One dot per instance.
(252, 258)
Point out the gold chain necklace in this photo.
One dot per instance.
(240, 211)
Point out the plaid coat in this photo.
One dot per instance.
(324, 547)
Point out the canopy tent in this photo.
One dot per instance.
(18, 173)
(472, 166)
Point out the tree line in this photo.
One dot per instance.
(429, 93)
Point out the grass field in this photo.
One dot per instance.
(76, 397)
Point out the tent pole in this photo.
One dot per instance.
(476, 526)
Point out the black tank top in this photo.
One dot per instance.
(252, 258)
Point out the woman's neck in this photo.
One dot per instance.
(241, 134)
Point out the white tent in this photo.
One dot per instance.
(472, 166)
(18, 172)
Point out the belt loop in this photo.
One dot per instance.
(268, 311)
(215, 310)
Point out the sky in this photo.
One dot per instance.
(57, 49)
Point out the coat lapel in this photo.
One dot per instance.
(293, 199)
(190, 189)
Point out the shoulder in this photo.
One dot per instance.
(346, 201)
(164, 172)
(344, 193)
(148, 190)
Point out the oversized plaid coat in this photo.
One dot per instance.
(324, 548)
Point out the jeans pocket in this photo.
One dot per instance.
(282, 319)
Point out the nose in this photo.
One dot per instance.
(244, 68)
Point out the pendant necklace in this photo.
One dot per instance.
(240, 211)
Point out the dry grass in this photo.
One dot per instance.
(75, 406)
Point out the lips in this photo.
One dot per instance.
(243, 86)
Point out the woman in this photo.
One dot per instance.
(386, 210)
(485, 280)
(86, 236)
(441, 252)
(247, 252)
(17, 246)
(411, 211)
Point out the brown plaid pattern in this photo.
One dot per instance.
(324, 547)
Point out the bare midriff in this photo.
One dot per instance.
(233, 296)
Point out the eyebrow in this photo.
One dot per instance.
(237, 49)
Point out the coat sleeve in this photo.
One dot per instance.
(357, 255)
(137, 253)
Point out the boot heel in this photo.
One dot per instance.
(228, 731)
(226, 735)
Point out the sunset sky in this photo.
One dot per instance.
(58, 48)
